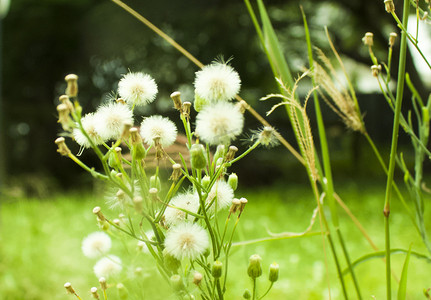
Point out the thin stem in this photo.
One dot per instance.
(267, 291)
(393, 153)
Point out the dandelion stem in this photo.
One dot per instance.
(393, 153)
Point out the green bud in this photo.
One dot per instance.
(220, 152)
(139, 152)
(233, 181)
(177, 282)
(247, 294)
(273, 272)
(122, 291)
(199, 103)
(155, 183)
(255, 266)
(113, 160)
(171, 263)
(217, 269)
(206, 180)
(197, 156)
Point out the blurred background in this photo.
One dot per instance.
(44, 40)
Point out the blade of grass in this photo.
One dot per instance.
(402, 290)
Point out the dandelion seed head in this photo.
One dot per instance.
(137, 88)
(217, 82)
(96, 244)
(111, 119)
(219, 123)
(88, 122)
(108, 266)
(158, 127)
(266, 136)
(221, 194)
(187, 201)
(186, 240)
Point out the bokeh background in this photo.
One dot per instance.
(42, 41)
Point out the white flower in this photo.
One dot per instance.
(186, 240)
(219, 123)
(96, 244)
(221, 195)
(188, 201)
(137, 88)
(108, 266)
(89, 124)
(111, 119)
(158, 127)
(217, 82)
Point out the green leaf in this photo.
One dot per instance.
(275, 55)
(402, 290)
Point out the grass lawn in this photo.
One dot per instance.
(40, 248)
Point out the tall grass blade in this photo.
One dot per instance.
(402, 290)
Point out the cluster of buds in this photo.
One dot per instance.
(103, 223)
(183, 108)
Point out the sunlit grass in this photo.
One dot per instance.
(40, 247)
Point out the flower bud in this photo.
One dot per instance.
(64, 117)
(122, 291)
(392, 38)
(368, 39)
(155, 182)
(69, 288)
(233, 181)
(389, 6)
(242, 206)
(64, 99)
(98, 212)
(236, 204)
(206, 180)
(375, 70)
(247, 294)
(186, 109)
(176, 282)
(273, 272)
(197, 278)
(126, 130)
(217, 269)
(171, 263)
(176, 172)
(137, 201)
(94, 293)
(231, 153)
(199, 103)
(197, 156)
(153, 194)
(220, 152)
(72, 85)
(103, 284)
(255, 266)
(62, 147)
(176, 97)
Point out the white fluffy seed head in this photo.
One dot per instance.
(137, 88)
(220, 196)
(158, 127)
(96, 244)
(186, 240)
(108, 266)
(219, 123)
(111, 119)
(88, 122)
(187, 201)
(217, 82)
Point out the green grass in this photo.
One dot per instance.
(40, 248)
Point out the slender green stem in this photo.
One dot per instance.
(267, 291)
(393, 153)
(328, 184)
(253, 297)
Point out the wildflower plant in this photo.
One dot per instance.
(184, 222)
